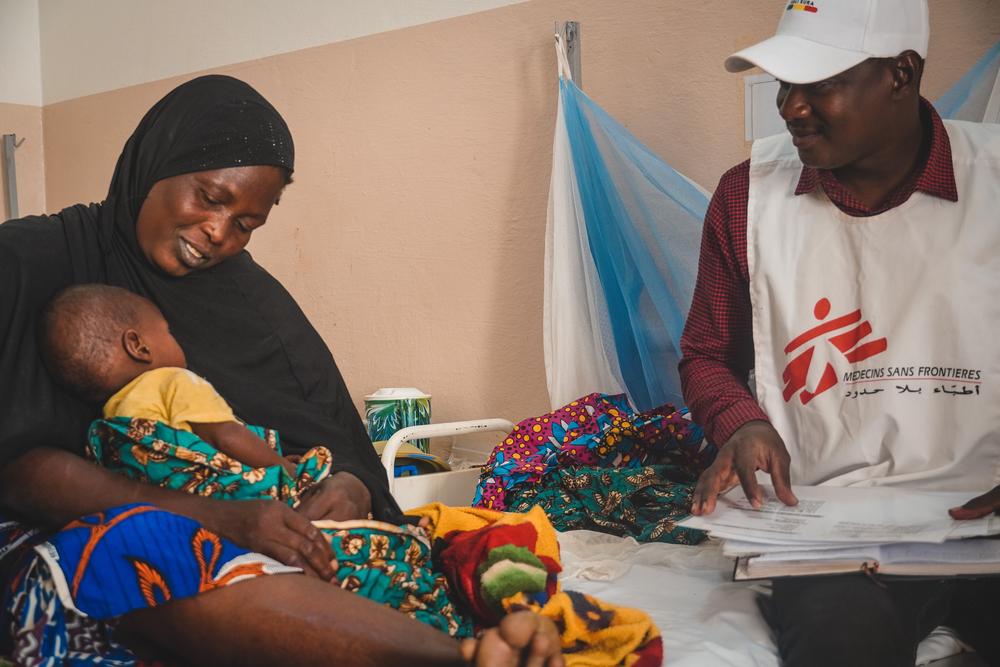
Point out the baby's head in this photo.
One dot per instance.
(95, 339)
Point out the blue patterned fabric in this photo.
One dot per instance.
(138, 556)
(61, 598)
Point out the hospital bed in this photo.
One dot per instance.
(707, 620)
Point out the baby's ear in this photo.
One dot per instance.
(135, 347)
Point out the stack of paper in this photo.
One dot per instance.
(840, 529)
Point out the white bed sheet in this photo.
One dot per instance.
(706, 618)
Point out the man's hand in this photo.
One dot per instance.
(274, 529)
(980, 506)
(754, 446)
(340, 497)
(523, 639)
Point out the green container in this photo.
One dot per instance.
(394, 408)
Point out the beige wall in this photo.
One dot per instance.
(26, 122)
(413, 235)
(83, 40)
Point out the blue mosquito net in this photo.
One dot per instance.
(643, 222)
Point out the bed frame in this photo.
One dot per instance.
(451, 488)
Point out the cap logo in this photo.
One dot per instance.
(804, 6)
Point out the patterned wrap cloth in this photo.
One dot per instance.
(643, 503)
(152, 452)
(62, 592)
(538, 457)
(392, 565)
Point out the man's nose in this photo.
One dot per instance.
(792, 103)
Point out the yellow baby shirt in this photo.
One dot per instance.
(175, 396)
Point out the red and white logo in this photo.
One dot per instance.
(846, 333)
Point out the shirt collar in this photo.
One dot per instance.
(936, 177)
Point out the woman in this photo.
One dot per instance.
(197, 177)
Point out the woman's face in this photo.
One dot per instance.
(194, 221)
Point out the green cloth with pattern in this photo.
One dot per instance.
(391, 565)
(152, 452)
(644, 503)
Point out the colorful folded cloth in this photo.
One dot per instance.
(152, 452)
(596, 430)
(498, 563)
(643, 503)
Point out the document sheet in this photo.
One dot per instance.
(828, 515)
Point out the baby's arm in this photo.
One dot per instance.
(236, 441)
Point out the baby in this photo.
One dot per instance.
(114, 347)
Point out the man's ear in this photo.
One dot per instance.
(135, 348)
(907, 70)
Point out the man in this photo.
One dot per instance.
(852, 265)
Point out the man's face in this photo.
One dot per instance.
(842, 120)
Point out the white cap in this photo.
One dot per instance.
(817, 39)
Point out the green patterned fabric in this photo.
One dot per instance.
(153, 452)
(644, 503)
(391, 565)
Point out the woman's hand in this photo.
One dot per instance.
(522, 639)
(276, 530)
(980, 506)
(340, 497)
(754, 446)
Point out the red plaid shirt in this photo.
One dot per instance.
(717, 344)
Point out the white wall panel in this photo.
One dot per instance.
(20, 65)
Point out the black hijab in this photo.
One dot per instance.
(238, 326)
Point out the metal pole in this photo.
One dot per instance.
(10, 174)
(570, 31)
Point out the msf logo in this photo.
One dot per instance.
(845, 333)
(803, 6)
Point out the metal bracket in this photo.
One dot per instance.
(570, 32)
(10, 144)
